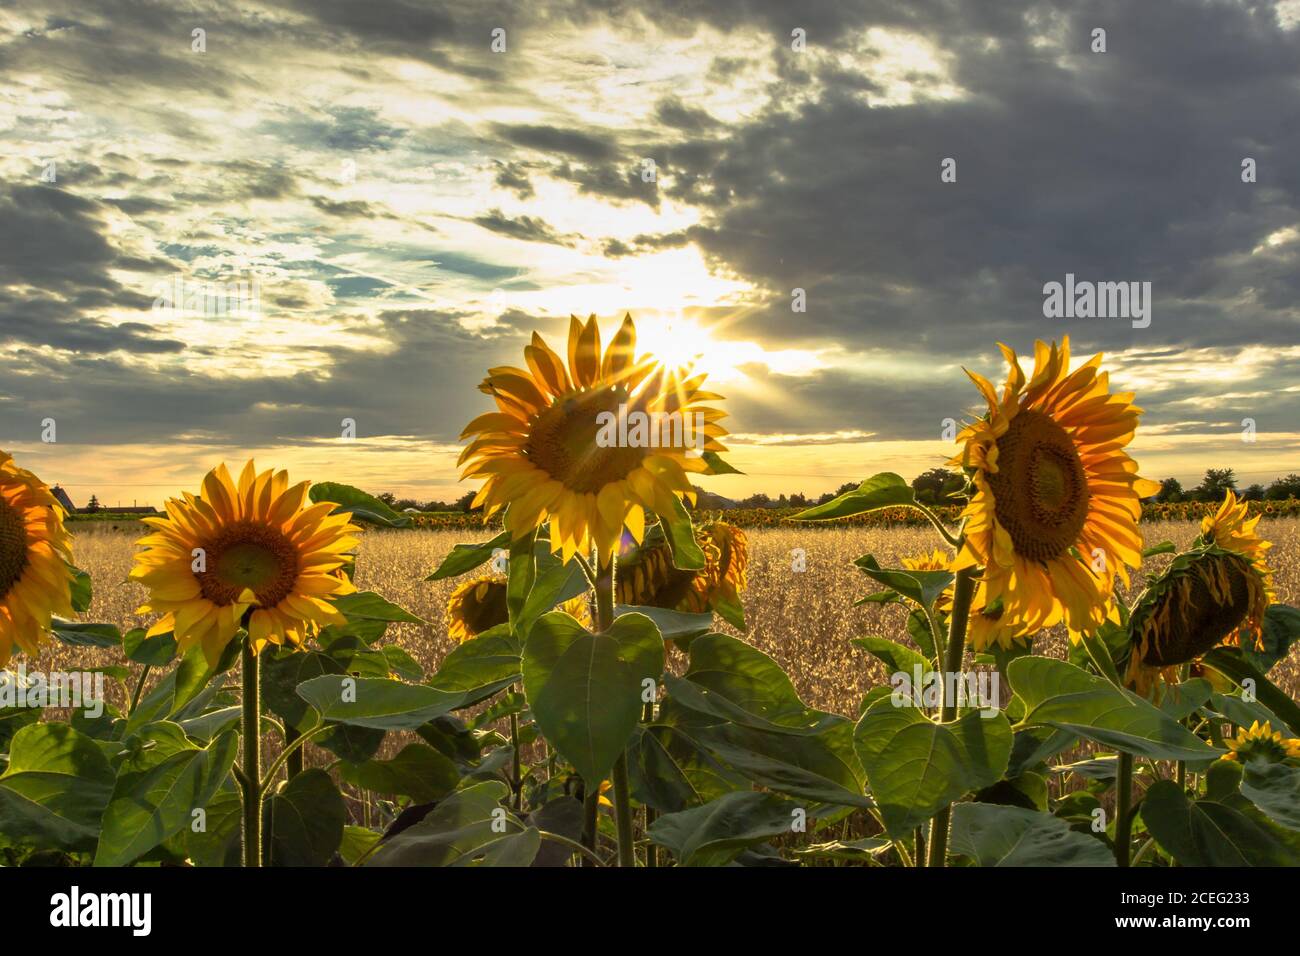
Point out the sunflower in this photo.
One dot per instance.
(480, 604)
(35, 554)
(1261, 742)
(646, 576)
(989, 616)
(1214, 593)
(540, 452)
(1055, 492)
(257, 546)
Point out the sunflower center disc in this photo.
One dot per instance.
(249, 556)
(1040, 490)
(562, 442)
(13, 546)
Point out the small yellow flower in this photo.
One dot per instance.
(35, 552)
(1261, 742)
(257, 545)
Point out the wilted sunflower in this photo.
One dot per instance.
(1055, 492)
(1261, 742)
(539, 451)
(646, 576)
(35, 552)
(480, 604)
(259, 545)
(1214, 593)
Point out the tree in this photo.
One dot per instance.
(1284, 488)
(1171, 491)
(938, 487)
(387, 498)
(1253, 493)
(759, 500)
(1216, 483)
(93, 504)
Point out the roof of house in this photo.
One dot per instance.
(62, 498)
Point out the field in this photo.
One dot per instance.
(805, 620)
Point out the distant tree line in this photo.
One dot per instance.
(1218, 481)
(403, 504)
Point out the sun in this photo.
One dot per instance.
(677, 342)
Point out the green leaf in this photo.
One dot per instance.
(304, 821)
(1058, 694)
(993, 835)
(681, 626)
(218, 842)
(480, 667)
(521, 576)
(55, 788)
(735, 681)
(155, 651)
(85, 634)
(1100, 656)
(363, 507)
(157, 790)
(1164, 547)
(921, 587)
(1275, 789)
(1281, 629)
(670, 771)
(716, 465)
(369, 606)
(1209, 832)
(1231, 662)
(714, 834)
(82, 590)
(467, 557)
(585, 690)
(819, 766)
(897, 657)
(375, 703)
(282, 671)
(680, 534)
(555, 584)
(885, 490)
(916, 766)
(459, 827)
(357, 842)
(418, 772)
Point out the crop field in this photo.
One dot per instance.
(804, 620)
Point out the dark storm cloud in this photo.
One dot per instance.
(550, 139)
(527, 228)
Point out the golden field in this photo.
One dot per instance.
(805, 620)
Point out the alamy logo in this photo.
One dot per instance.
(1101, 300)
(922, 688)
(74, 690)
(133, 910)
(240, 299)
(639, 429)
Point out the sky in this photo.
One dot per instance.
(413, 188)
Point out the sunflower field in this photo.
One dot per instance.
(602, 705)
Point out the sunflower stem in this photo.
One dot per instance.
(954, 540)
(294, 764)
(590, 808)
(1123, 808)
(651, 851)
(251, 784)
(963, 591)
(139, 689)
(622, 798)
(516, 768)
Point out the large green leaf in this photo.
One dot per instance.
(898, 658)
(673, 625)
(217, 842)
(993, 835)
(1210, 832)
(916, 766)
(820, 767)
(585, 690)
(885, 490)
(158, 788)
(459, 827)
(1275, 789)
(155, 651)
(1230, 661)
(375, 703)
(670, 771)
(364, 507)
(304, 820)
(480, 667)
(418, 772)
(714, 834)
(731, 680)
(55, 788)
(1281, 629)
(85, 634)
(920, 587)
(369, 606)
(82, 590)
(1058, 694)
